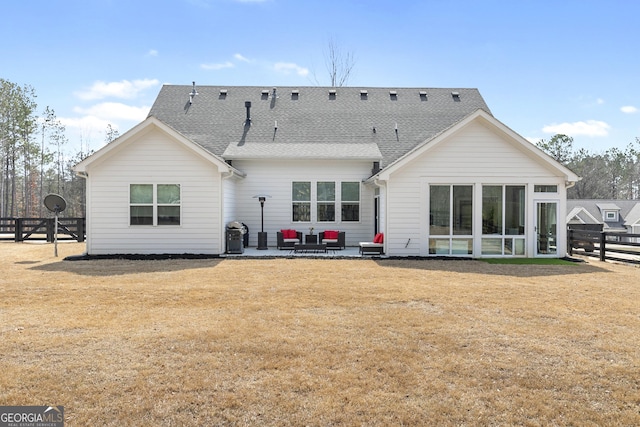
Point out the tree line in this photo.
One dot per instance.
(36, 161)
(34, 156)
(613, 174)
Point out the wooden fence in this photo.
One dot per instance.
(605, 245)
(21, 229)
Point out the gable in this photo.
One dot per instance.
(579, 215)
(480, 145)
(156, 130)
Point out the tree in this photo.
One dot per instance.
(339, 64)
(17, 125)
(560, 147)
(110, 134)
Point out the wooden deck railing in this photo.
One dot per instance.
(21, 229)
(605, 245)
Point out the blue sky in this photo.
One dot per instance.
(544, 67)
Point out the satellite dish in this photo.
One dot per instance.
(55, 203)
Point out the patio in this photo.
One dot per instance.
(272, 252)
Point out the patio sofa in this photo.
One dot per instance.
(333, 239)
(286, 239)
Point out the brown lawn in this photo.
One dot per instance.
(318, 342)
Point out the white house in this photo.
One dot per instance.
(432, 169)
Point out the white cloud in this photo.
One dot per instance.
(532, 140)
(590, 128)
(241, 58)
(85, 124)
(124, 89)
(152, 52)
(629, 109)
(288, 67)
(91, 123)
(114, 111)
(219, 66)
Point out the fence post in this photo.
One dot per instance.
(569, 242)
(603, 250)
(80, 229)
(18, 230)
(51, 227)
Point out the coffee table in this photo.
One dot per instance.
(310, 247)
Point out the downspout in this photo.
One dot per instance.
(383, 185)
(224, 176)
(87, 242)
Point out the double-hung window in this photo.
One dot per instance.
(350, 201)
(154, 204)
(301, 201)
(326, 201)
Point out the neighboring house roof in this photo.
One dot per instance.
(633, 217)
(313, 122)
(580, 215)
(608, 207)
(628, 212)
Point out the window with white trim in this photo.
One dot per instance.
(610, 215)
(541, 188)
(326, 201)
(322, 201)
(350, 201)
(503, 212)
(301, 201)
(451, 219)
(154, 204)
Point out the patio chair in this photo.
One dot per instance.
(375, 247)
(333, 239)
(286, 239)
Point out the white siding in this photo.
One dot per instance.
(153, 158)
(229, 201)
(274, 178)
(475, 155)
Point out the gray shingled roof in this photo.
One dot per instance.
(629, 211)
(307, 116)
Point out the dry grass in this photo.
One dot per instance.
(319, 342)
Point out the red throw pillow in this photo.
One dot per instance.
(289, 234)
(330, 234)
(379, 238)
